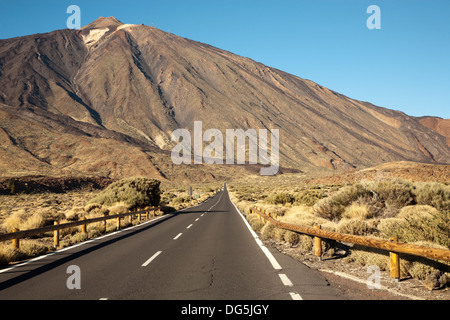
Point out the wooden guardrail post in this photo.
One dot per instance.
(15, 241)
(83, 227)
(56, 236)
(394, 262)
(118, 223)
(104, 222)
(318, 245)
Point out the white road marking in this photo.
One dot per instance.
(295, 296)
(179, 235)
(189, 226)
(266, 251)
(146, 263)
(285, 280)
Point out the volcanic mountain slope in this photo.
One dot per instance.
(112, 84)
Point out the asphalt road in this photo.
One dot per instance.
(206, 252)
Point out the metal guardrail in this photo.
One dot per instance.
(17, 234)
(391, 245)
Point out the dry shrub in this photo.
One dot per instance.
(268, 231)
(305, 243)
(119, 208)
(415, 228)
(418, 212)
(434, 194)
(367, 258)
(356, 227)
(291, 237)
(22, 220)
(75, 214)
(385, 197)
(280, 198)
(394, 192)
(358, 210)
(279, 234)
(255, 222)
(8, 253)
(28, 249)
(92, 206)
(388, 226)
(302, 215)
(13, 221)
(332, 207)
(308, 197)
(35, 221)
(273, 210)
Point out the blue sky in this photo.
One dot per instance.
(405, 65)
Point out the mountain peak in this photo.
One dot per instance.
(103, 22)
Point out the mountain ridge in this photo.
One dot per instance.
(135, 84)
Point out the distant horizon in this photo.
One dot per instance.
(403, 66)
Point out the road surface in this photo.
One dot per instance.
(206, 252)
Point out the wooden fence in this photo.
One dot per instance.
(18, 234)
(391, 245)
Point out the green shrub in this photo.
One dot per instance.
(135, 192)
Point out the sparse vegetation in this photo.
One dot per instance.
(414, 212)
(29, 211)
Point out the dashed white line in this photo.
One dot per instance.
(197, 219)
(146, 263)
(285, 280)
(295, 296)
(189, 226)
(179, 235)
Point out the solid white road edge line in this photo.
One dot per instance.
(273, 261)
(266, 251)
